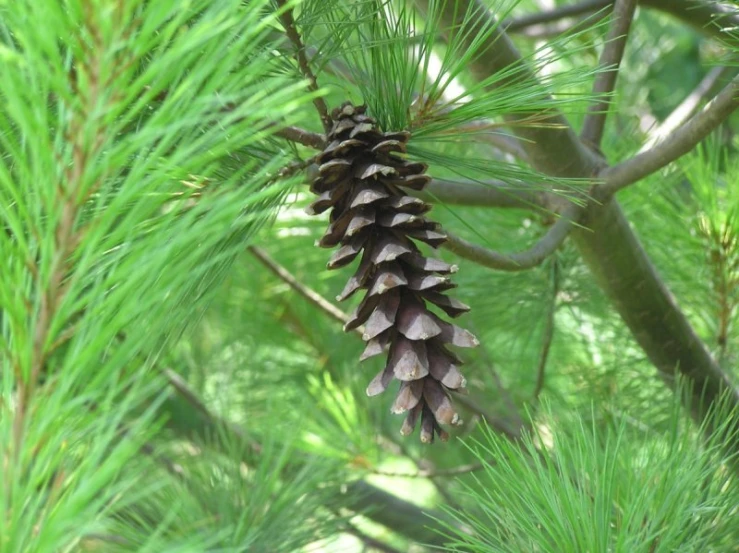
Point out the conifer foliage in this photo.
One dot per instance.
(362, 179)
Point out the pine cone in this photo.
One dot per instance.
(361, 180)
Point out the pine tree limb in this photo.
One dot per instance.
(488, 194)
(546, 345)
(683, 140)
(706, 89)
(301, 136)
(311, 295)
(288, 22)
(561, 12)
(610, 61)
(521, 261)
(546, 31)
(709, 17)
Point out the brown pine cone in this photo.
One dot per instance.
(361, 179)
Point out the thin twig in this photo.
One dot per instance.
(181, 387)
(520, 23)
(177, 382)
(291, 168)
(301, 136)
(504, 427)
(288, 22)
(548, 332)
(610, 60)
(684, 139)
(570, 26)
(689, 106)
(521, 261)
(455, 471)
(312, 296)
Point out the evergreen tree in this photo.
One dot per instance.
(175, 375)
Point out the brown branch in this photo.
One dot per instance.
(548, 332)
(707, 16)
(512, 431)
(570, 26)
(288, 22)
(707, 88)
(312, 296)
(489, 193)
(683, 140)
(301, 136)
(710, 17)
(420, 525)
(522, 261)
(294, 167)
(519, 24)
(610, 61)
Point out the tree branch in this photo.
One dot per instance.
(610, 60)
(562, 12)
(312, 296)
(707, 88)
(402, 516)
(522, 261)
(301, 136)
(548, 332)
(680, 143)
(709, 17)
(571, 26)
(488, 194)
(288, 22)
